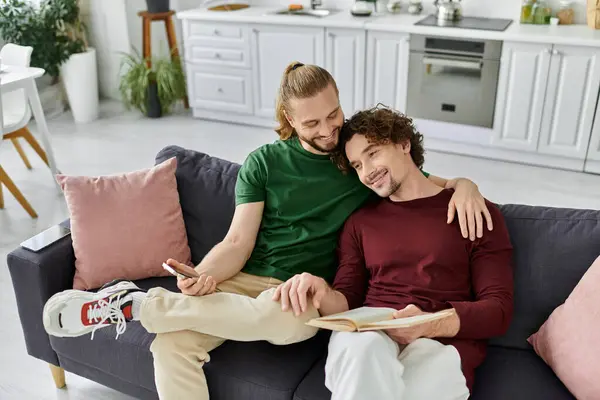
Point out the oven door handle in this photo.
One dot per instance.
(445, 62)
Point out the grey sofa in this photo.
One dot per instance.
(553, 248)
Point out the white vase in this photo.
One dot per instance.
(80, 77)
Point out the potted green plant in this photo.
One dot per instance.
(151, 86)
(58, 36)
(26, 25)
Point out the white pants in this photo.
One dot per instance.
(370, 365)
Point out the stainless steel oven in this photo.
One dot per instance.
(453, 79)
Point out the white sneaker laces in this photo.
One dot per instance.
(104, 311)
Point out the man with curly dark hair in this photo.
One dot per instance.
(397, 252)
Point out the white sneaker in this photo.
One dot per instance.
(75, 313)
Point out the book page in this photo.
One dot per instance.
(362, 315)
(406, 322)
(341, 326)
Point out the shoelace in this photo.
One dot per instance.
(105, 311)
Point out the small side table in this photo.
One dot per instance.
(147, 19)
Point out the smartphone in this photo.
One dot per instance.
(183, 272)
(46, 238)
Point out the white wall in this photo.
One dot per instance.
(115, 27)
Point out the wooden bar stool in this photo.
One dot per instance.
(167, 17)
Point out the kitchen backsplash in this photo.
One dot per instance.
(479, 8)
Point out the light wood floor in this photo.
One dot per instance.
(121, 142)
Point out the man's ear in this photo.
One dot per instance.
(406, 147)
(288, 119)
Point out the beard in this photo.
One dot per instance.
(325, 147)
(385, 190)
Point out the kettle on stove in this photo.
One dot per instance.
(448, 10)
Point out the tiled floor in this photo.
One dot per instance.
(124, 141)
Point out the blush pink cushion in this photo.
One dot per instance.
(568, 340)
(125, 226)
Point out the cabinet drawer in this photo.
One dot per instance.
(221, 89)
(216, 34)
(218, 56)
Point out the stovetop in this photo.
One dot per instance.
(491, 24)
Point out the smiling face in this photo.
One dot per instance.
(380, 167)
(317, 120)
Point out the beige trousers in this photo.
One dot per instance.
(189, 327)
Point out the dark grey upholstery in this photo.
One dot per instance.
(553, 248)
(206, 192)
(530, 378)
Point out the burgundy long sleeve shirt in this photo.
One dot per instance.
(393, 254)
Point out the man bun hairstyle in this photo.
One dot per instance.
(380, 125)
(299, 81)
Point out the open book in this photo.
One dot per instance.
(372, 319)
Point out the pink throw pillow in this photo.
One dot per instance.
(568, 340)
(125, 226)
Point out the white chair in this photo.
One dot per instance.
(15, 106)
(17, 114)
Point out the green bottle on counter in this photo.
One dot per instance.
(527, 11)
(541, 12)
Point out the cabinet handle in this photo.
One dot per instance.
(555, 52)
(220, 90)
(331, 35)
(217, 33)
(217, 55)
(254, 30)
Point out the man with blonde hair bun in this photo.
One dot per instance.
(291, 201)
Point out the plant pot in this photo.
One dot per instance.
(153, 109)
(80, 78)
(157, 6)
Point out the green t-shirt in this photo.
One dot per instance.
(307, 200)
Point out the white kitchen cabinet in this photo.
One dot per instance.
(345, 60)
(570, 104)
(273, 47)
(387, 69)
(220, 89)
(521, 92)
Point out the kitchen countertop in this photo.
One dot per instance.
(264, 15)
(580, 35)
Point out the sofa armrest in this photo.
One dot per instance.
(36, 276)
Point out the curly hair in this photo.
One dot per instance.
(380, 125)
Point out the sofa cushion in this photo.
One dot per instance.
(259, 370)
(125, 225)
(206, 188)
(505, 374)
(517, 375)
(553, 248)
(568, 341)
(312, 386)
(249, 370)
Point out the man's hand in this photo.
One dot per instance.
(471, 208)
(446, 327)
(197, 286)
(296, 290)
